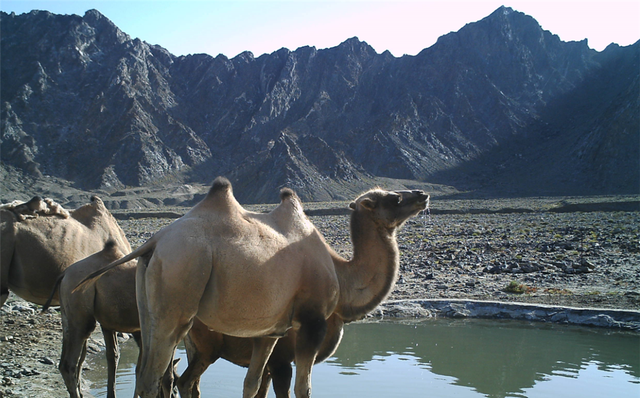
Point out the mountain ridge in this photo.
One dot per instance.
(77, 91)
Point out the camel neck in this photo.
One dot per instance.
(367, 279)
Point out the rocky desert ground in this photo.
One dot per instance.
(539, 251)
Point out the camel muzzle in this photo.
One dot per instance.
(414, 196)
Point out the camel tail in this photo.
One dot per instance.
(46, 305)
(94, 276)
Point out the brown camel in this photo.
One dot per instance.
(257, 275)
(205, 346)
(37, 248)
(111, 301)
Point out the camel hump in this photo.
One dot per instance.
(111, 246)
(220, 184)
(111, 252)
(96, 202)
(146, 247)
(287, 193)
(35, 202)
(91, 211)
(220, 196)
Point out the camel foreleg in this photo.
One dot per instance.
(308, 341)
(262, 348)
(281, 374)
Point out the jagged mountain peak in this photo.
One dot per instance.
(77, 91)
(355, 44)
(96, 19)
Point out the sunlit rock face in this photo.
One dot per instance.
(500, 106)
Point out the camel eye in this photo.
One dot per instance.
(394, 199)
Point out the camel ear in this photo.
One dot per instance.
(352, 205)
(368, 203)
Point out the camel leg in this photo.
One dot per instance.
(264, 385)
(4, 295)
(281, 375)
(169, 378)
(199, 361)
(157, 352)
(308, 341)
(138, 339)
(5, 262)
(74, 349)
(332, 338)
(112, 351)
(262, 348)
(157, 348)
(160, 336)
(70, 365)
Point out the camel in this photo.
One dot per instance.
(34, 207)
(255, 275)
(205, 346)
(40, 239)
(110, 301)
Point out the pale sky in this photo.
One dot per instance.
(402, 27)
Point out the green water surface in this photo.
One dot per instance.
(445, 358)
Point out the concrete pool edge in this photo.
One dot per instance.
(461, 308)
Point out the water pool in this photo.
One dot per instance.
(444, 358)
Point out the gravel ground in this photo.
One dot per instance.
(574, 259)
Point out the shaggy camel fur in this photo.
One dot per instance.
(37, 249)
(111, 301)
(256, 275)
(34, 207)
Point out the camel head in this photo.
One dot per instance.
(390, 209)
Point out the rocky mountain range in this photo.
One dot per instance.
(501, 107)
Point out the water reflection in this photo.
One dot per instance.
(495, 358)
(447, 358)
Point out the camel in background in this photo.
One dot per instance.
(204, 347)
(257, 275)
(34, 207)
(111, 301)
(40, 239)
